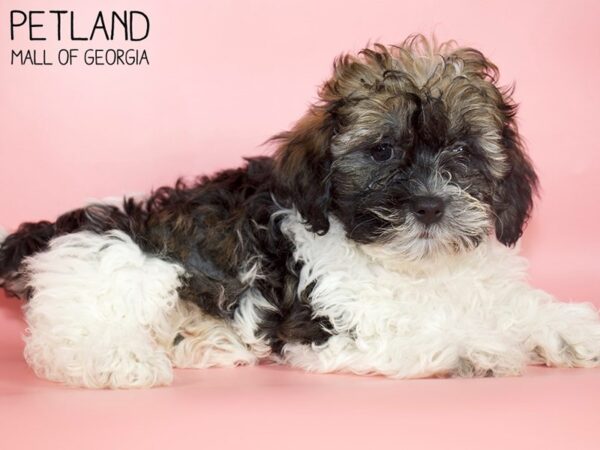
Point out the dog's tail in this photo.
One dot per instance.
(29, 238)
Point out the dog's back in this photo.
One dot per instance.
(33, 237)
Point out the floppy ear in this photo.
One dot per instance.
(513, 198)
(303, 165)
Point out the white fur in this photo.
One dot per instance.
(104, 314)
(96, 301)
(247, 322)
(470, 313)
(207, 341)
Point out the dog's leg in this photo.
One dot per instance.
(454, 350)
(526, 326)
(197, 340)
(97, 301)
(555, 333)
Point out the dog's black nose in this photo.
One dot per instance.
(427, 210)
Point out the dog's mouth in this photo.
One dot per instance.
(425, 234)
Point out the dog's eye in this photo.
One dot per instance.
(382, 152)
(457, 149)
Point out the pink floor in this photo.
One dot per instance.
(273, 407)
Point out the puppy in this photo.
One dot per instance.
(377, 240)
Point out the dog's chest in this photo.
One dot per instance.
(353, 288)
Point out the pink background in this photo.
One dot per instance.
(226, 75)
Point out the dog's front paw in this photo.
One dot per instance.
(490, 359)
(487, 367)
(573, 340)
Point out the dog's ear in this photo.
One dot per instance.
(303, 164)
(513, 196)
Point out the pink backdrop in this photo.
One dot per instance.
(225, 76)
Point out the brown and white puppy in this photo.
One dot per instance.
(376, 240)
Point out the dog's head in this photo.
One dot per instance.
(413, 146)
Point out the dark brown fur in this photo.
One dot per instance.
(435, 110)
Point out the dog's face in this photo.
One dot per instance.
(413, 147)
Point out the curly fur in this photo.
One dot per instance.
(322, 256)
(449, 315)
